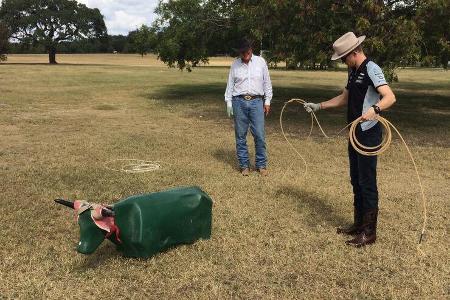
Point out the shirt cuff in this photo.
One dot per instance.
(267, 102)
(228, 103)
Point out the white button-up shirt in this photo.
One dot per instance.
(249, 79)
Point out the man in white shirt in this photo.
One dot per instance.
(248, 96)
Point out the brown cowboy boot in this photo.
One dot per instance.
(369, 232)
(245, 171)
(355, 228)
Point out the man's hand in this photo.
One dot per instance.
(266, 110)
(229, 111)
(311, 107)
(369, 115)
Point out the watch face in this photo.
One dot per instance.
(376, 109)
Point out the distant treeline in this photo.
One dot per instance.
(186, 33)
(109, 44)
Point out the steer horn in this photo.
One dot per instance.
(67, 203)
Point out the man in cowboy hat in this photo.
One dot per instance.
(247, 96)
(366, 95)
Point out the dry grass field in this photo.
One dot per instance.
(273, 238)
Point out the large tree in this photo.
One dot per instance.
(51, 22)
(393, 37)
(433, 17)
(142, 40)
(301, 32)
(189, 31)
(4, 44)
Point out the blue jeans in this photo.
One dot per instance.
(249, 113)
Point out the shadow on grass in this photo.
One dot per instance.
(107, 252)
(215, 91)
(316, 209)
(93, 261)
(209, 98)
(227, 156)
(414, 110)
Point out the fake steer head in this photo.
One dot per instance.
(96, 222)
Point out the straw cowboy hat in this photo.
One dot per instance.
(345, 44)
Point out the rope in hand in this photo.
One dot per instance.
(361, 149)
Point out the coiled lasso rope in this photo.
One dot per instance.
(360, 148)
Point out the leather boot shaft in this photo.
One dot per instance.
(368, 234)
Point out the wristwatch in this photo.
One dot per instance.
(377, 109)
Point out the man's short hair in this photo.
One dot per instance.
(358, 49)
(244, 45)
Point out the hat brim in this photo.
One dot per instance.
(336, 56)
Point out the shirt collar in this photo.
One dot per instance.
(361, 66)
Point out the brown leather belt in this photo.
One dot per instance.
(251, 97)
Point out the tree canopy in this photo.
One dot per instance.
(301, 32)
(434, 22)
(188, 32)
(142, 40)
(51, 22)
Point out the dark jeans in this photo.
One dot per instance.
(363, 170)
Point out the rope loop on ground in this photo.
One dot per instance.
(131, 165)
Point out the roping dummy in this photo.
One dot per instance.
(144, 225)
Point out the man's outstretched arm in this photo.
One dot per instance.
(337, 101)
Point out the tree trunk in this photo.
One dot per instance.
(52, 55)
